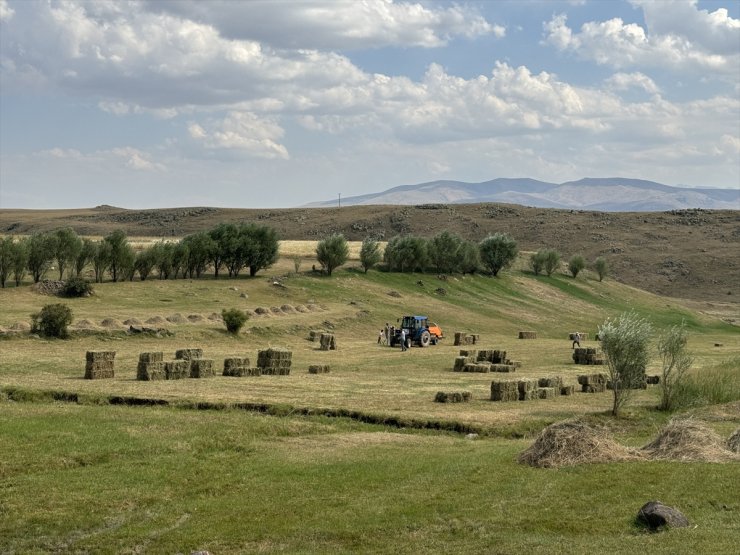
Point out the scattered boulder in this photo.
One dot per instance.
(657, 516)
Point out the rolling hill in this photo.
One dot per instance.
(614, 194)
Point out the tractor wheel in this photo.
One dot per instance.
(425, 338)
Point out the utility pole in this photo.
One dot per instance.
(340, 200)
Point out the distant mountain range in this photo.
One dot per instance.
(612, 194)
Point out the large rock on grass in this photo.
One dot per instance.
(657, 516)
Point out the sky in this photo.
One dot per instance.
(278, 103)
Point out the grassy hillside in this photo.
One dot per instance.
(681, 253)
(288, 477)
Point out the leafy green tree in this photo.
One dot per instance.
(6, 259)
(180, 255)
(19, 260)
(625, 342)
(576, 264)
(52, 321)
(234, 319)
(469, 257)
(676, 362)
(200, 246)
(121, 255)
(101, 259)
(145, 262)
(369, 253)
(601, 268)
(537, 261)
(85, 256)
(67, 248)
(162, 253)
(497, 252)
(41, 248)
(332, 252)
(552, 261)
(406, 254)
(444, 252)
(265, 253)
(224, 237)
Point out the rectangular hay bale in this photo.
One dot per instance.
(318, 369)
(527, 335)
(100, 356)
(201, 368)
(527, 390)
(503, 368)
(155, 356)
(148, 371)
(504, 391)
(188, 354)
(176, 369)
(567, 389)
(240, 372)
(547, 392)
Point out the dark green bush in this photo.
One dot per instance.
(234, 319)
(76, 287)
(52, 321)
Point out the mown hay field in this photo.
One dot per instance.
(287, 475)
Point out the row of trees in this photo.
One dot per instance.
(227, 246)
(234, 248)
(448, 253)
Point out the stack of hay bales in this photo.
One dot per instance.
(318, 369)
(197, 366)
(527, 335)
(328, 342)
(549, 387)
(463, 338)
(484, 360)
(151, 366)
(592, 383)
(527, 390)
(239, 367)
(99, 364)
(452, 397)
(274, 362)
(504, 391)
(315, 335)
(587, 355)
(176, 369)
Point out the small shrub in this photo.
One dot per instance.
(77, 287)
(576, 264)
(676, 361)
(234, 319)
(52, 321)
(601, 268)
(537, 262)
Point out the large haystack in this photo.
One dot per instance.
(572, 442)
(689, 440)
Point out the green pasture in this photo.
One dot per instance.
(346, 462)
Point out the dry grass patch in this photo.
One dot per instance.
(573, 442)
(689, 440)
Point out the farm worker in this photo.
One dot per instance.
(576, 340)
(392, 334)
(403, 339)
(387, 334)
(380, 337)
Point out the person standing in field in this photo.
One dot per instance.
(380, 337)
(576, 340)
(387, 334)
(403, 339)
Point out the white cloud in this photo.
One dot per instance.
(244, 132)
(695, 40)
(328, 24)
(6, 12)
(624, 81)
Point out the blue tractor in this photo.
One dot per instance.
(419, 331)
